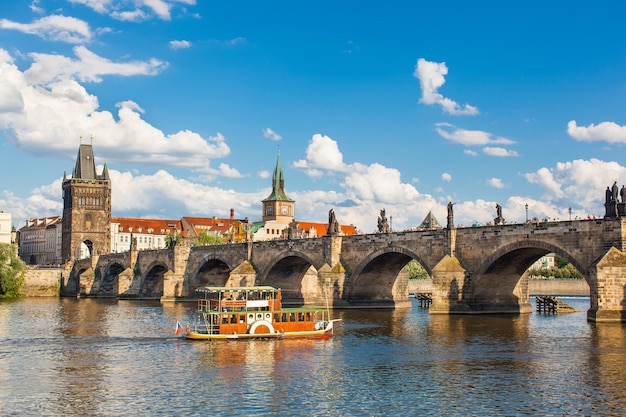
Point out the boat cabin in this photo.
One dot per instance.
(253, 310)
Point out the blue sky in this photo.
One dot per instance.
(397, 105)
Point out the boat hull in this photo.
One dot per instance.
(325, 333)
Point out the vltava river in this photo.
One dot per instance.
(111, 358)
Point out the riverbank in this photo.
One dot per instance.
(46, 282)
(535, 287)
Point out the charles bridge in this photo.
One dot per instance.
(474, 270)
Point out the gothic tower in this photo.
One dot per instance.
(86, 209)
(277, 206)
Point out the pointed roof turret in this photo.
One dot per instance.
(86, 165)
(430, 222)
(105, 172)
(278, 184)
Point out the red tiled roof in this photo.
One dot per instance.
(321, 228)
(148, 226)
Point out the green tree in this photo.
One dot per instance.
(205, 239)
(173, 239)
(416, 270)
(12, 272)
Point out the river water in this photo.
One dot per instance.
(110, 358)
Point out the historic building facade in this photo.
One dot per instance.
(40, 241)
(86, 208)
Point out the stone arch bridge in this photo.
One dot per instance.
(474, 270)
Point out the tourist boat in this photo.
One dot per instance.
(255, 313)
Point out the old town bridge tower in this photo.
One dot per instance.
(86, 209)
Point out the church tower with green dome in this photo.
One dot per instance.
(277, 206)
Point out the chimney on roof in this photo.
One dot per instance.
(232, 213)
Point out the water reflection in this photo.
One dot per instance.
(107, 357)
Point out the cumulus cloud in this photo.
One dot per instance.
(579, 183)
(606, 131)
(470, 152)
(180, 44)
(53, 28)
(495, 182)
(48, 115)
(321, 154)
(270, 134)
(360, 182)
(446, 177)
(431, 76)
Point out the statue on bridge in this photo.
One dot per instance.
(612, 205)
(499, 219)
(450, 215)
(383, 226)
(333, 224)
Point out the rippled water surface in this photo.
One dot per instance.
(106, 357)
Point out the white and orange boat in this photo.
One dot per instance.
(255, 313)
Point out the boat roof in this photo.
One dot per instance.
(263, 288)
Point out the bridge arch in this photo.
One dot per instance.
(295, 273)
(497, 278)
(377, 278)
(109, 284)
(212, 272)
(152, 282)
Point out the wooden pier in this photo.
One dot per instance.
(548, 304)
(425, 299)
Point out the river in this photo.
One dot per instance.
(112, 358)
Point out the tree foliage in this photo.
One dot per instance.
(12, 272)
(416, 270)
(173, 239)
(205, 239)
(568, 271)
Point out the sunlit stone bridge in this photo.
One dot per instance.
(474, 270)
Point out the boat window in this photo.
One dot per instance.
(242, 319)
(225, 319)
(292, 316)
(308, 316)
(233, 319)
(276, 317)
(284, 318)
(300, 316)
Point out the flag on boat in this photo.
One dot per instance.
(179, 329)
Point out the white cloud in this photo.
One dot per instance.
(446, 177)
(52, 116)
(134, 10)
(469, 137)
(321, 154)
(470, 152)
(606, 131)
(180, 44)
(579, 183)
(497, 151)
(88, 67)
(495, 182)
(361, 182)
(432, 76)
(264, 174)
(54, 28)
(270, 134)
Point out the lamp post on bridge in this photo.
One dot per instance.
(526, 206)
(570, 213)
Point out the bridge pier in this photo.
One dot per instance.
(607, 288)
(448, 284)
